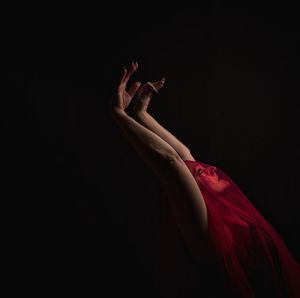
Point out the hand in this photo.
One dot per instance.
(122, 98)
(144, 94)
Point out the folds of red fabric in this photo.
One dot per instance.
(253, 255)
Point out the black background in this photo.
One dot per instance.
(82, 208)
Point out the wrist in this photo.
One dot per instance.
(117, 112)
(140, 114)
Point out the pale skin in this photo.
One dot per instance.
(164, 154)
(142, 116)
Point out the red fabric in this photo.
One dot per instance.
(254, 256)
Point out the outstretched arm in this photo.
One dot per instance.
(183, 192)
(141, 114)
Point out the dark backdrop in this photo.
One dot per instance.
(83, 209)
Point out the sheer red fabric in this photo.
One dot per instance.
(252, 254)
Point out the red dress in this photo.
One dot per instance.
(252, 254)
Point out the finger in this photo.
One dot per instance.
(122, 76)
(118, 87)
(134, 88)
(159, 84)
(150, 87)
(132, 69)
